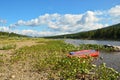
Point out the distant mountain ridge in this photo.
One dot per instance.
(108, 33)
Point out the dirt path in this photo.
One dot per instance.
(25, 43)
(19, 44)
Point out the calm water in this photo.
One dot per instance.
(77, 42)
(111, 59)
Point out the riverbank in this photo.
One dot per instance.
(111, 58)
(46, 59)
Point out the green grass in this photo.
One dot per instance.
(1, 59)
(51, 58)
(7, 46)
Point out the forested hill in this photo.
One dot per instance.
(107, 33)
(6, 34)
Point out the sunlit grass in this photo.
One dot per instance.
(51, 58)
(7, 46)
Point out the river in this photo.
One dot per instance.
(77, 42)
(112, 59)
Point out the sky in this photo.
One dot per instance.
(40, 18)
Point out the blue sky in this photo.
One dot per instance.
(55, 17)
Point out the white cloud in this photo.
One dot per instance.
(28, 32)
(70, 23)
(115, 11)
(3, 21)
(36, 33)
(4, 29)
(115, 14)
(88, 17)
(62, 23)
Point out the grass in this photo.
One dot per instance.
(7, 46)
(1, 59)
(50, 57)
(95, 47)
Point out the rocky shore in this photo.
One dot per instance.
(115, 48)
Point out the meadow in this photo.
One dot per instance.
(46, 59)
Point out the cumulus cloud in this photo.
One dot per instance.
(4, 29)
(115, 11)
(88, 17)
(28, 32)
(36, 33)
(115, 14)
(62, 23)
(70, 23)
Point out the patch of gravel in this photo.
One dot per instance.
(19, 72)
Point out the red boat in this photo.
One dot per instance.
(84, 53)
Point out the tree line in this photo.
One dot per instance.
(6, 34)
(107, 33)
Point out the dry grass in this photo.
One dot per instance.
(17, 71)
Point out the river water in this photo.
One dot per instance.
(112, 59)
(77, 42)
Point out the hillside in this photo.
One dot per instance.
(6, 34)
(107, 33)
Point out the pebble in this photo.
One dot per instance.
(12, 76)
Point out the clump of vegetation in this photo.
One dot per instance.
(51, 59)
(83, 69)
(106, 73)
(95, 47)
(1, 59)
(73, 68)
(7, 46)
